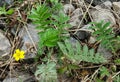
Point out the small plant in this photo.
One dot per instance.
(52, 28)
(105, 35)
(40, 16)
(109, 40)
(78, 54)
(49, 37)
(117, 61)
(60, 21)
(117, 78)
(3, 11)
(50, 25)
(46, 72)
(104, 72)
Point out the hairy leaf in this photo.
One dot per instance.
(80, 54)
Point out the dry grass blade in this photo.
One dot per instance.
(83, 16)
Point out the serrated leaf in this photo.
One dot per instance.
(62, 47)
(85, 50)
(46, 72)
(40, 16)
(49, 37)
(104, 71)
(81, 54)
(71, 66)
(69, 47)
(117, 61)
(78, 50)
(104, 34)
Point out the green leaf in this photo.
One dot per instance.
(54, 1)
(72, 66)
(69, 47)
(80, 54)
(40, 16)
(117, 61)
(85, 50)
(10, 11)
(78, 50)
(62, 70)
(50, 37)
(104, 34)
(62, 48)
(46, 72)
(3, 10)
(61, 18)
(106, 25)
(104, 72)
(117, 78)
(98, 80)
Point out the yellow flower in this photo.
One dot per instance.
(18, 54)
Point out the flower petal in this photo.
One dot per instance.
(14, 55)
(17, 51)
(21, 56)
(22, 53)
(17, 58)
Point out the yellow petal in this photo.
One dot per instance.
(22, 52)
(21, 56)
(14, 55)
(17, 58)
(17, 51)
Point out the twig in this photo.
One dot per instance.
(115, 74)
(84, 16)
(94, 74)
(28, 32)
(30, 37)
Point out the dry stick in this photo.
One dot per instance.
(12, 51)
(70, 1)
(40, 1)
(83, 17)
(116, 16)
(115, 74)
(94, 74)
(11, 58)
(85, 79)
(28, 32)
(88, 11)
(70, 9)
(22, 34)
(44, 1)
(82, 5)
(2, 18)
(30, 37)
